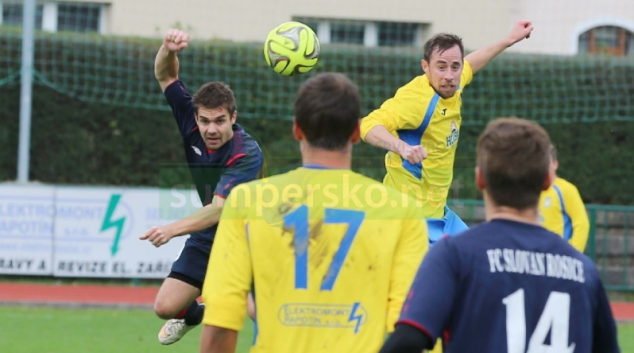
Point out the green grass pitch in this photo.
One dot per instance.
(46, 330)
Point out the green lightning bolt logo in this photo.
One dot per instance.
(108, 222)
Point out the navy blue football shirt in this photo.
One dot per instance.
(214, 172)
(506, 286)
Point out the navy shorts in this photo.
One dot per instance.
(191, 265)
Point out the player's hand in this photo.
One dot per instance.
(521, 30)
(414, 154)
(175, 40)
(157, 236)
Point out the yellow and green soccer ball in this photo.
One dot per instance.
(291, 48)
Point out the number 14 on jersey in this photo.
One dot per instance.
(554, 319)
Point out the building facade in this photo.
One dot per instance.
(562, 27)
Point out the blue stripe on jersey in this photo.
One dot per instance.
(413, 138)
(566, 218)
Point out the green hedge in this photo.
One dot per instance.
(100, 119)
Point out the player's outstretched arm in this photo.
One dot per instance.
(166, 62)
(197, 221)
(480, 58)
(380, 137)
(242, 171)
(218, 340)
(403, 111)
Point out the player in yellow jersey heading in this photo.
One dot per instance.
(328, 253)
(420, 125)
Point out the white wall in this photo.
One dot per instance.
(558, 23)
(250, 20)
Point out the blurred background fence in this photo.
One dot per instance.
(610, 244)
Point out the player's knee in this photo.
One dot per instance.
(164, 310)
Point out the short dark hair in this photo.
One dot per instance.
(327, 110)
(442, 42)
(215, 94)
(514, 158)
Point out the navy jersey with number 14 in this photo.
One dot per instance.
(510, 287)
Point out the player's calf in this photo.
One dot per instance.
(174, 329)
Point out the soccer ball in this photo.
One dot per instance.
(291, 48)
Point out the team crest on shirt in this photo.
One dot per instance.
(452, 138)
(197, 150)
(547, 201)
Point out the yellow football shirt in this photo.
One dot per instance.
(562, 211)
(419, 116)
(329, 254)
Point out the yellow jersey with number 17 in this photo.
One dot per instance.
(417, 115)
(329, 254)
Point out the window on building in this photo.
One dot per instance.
(392, 34)
(312, 23)
(347, 32)
(78, 17)
(58, 16)
(12, 14)
(610, 40)
(368, 33)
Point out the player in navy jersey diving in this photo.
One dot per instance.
(220, 155)
(507, 285)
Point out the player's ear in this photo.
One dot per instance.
(425, 65)
(297, 132)
(234, 116)
(550, 178)
(480, 184)
(356, 134)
